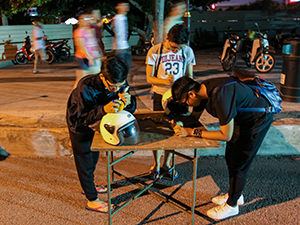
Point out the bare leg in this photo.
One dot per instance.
(36, 61)
(167, 159)
(156, 156)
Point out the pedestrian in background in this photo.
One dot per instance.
(97, 25)
(243, 131)
(87, 51)
(38, 44)
(95, 96)
(175, 16)
(120, 27)
(167, 62)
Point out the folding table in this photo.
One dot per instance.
(154, 135)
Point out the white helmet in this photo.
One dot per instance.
(120, 128)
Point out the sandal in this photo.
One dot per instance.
(153, 173)
(168, 172)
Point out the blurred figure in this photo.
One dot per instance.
(87, 51)
(97, 25)
(175, 16)
(120, 27)
(38, 44)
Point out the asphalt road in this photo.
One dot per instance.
(38, 186)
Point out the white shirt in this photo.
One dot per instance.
(120, 26)
(170, 63)
(37, 38)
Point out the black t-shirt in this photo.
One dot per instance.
(224, 101)
(86, 102)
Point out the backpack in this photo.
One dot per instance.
(264, 88)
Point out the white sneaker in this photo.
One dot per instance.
(223, 211)
(221, 199)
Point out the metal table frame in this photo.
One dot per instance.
(147, 187)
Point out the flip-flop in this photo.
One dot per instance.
(98, 209)
(100, 189)
(168, 172)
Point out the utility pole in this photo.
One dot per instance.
(159, 6)
(187, 15)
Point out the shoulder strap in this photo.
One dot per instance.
(158, 62)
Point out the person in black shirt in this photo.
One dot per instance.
(242, 131)
(94, 96)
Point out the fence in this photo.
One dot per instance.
(12, 37)
(207, 27)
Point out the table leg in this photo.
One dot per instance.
(195, 162)
(108, 153)
(173, 164)
(112, 168)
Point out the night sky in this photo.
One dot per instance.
(240, 2)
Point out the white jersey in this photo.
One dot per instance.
(170, 64)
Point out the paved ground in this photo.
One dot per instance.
(39, 184)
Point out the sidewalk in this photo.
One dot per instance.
(32, 107)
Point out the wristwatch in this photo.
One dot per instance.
(197, 132)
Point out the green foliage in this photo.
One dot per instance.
(11, 7)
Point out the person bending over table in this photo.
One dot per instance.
(242, 131)
(166, 62)
(94, 96)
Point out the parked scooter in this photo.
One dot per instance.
(60, 49)
(25, 54)
(257, 53)
(230, 50)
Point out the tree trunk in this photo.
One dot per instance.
(3, 19)
(158, 20)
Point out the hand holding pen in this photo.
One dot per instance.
(117, 105)
(125, 97)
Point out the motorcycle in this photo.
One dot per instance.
(60, 49)
(257, 53)
(25, 54)
(230, 50)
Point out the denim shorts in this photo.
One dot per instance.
(83, 63)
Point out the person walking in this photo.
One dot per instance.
(167, 62)
(95, 96)
(120, 43)
(97, 25)
(87, 52)
(38, 44)
(175, 16)
(242, 131)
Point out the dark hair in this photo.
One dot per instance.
(242, 73)
(178, 34)
(176, 3)
(114, 69)
(182, 86)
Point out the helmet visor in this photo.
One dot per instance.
(129, 133)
